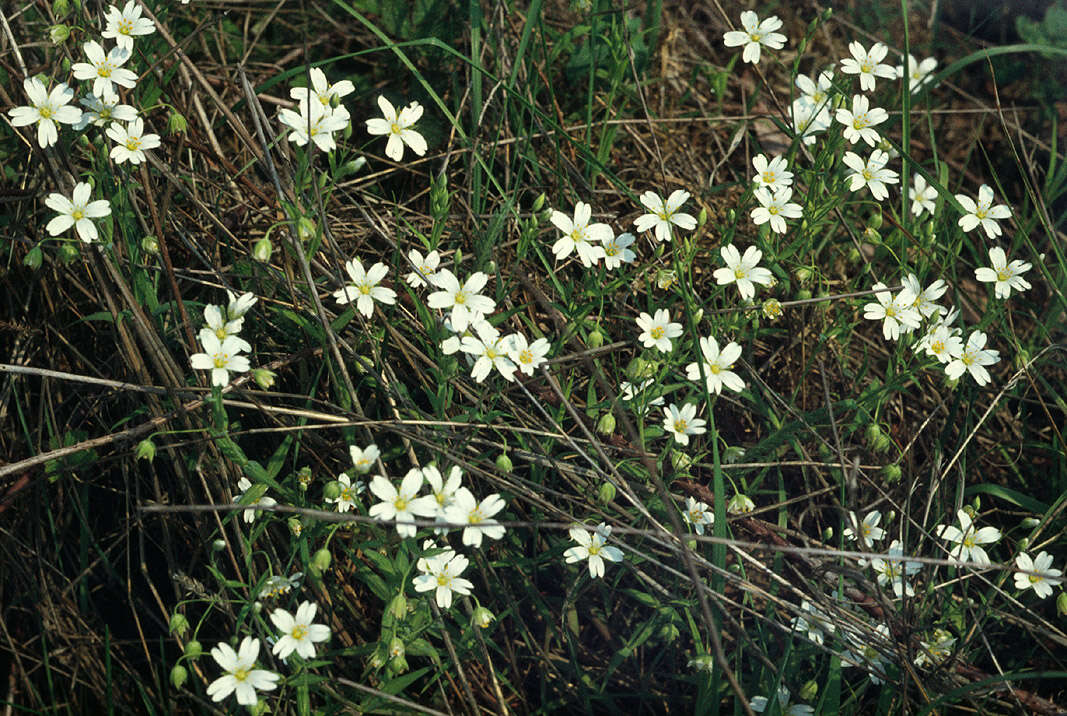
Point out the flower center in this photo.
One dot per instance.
(714, 369)
(220, 333)
(680, 426)
(394, 128)
(525, 357)
(475, 516)
(866, 67)
(125, 26)
(299, 632)
(241, 674)
(364, 288)
(890, 311)
(104, 70)
(937, 347)
(968, 359)
(860, 122)
(400, 503)
(221, 359)
(656, 332)
(768, 177)
(773, 210)
(133, 143)
(594, 549)
(578, 236)
(1003, 274)
(754, 36)
(611, 250)
(79, 214)
(460, 298)
(346, 494)
(44, 111)
(740, 273)
(442, 580)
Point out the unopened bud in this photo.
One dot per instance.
(305, 229)
(193, 649)
(264, 378)
(177, 123)
(150, 245)
(178, 676)
(809, 690)
(803, 274)
(146, 450)
(34, 257)
(482, 618)
(1029, 523)
(606, 425)
(606, 492)
(803, 294)
(262, 250)
(595, 339)
(681, 461)
(178, 624)
(1061, 604)
(892, 473)
(827, 534)
(503, 462)
(59, 34)
(68, 253)
(60, 7)
(538, 203)
(1023, 544)
(875, 222)
(396, 648)
(218, 545)
(332, 490)
(320, 562)
(398, 607)
(733, 454)
(702, 217)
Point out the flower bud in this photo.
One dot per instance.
(262, 250)
(398, 607)
(595, 339)
(264, 378)
(702, 217)
(704, 662)
(640, 369)
(803, 274)
(606, 425)
(665, 279)
(64, 68)
(772, 309)
(295, 526)
(218, 545)
(668, 632)
(178, 675)
(193, 649)
(827, 534)
(875, 222)
(809, 690)
(377, 659)
(733, 454)
(260, 708)
(304, 477)
(606, 492)
(60, 7)
(892, 473)
(482, 618)
(396, 648)
(332, 490)
(177, 123)
(68, 253)
(305, 229)
(854, 255)
(320, 561)
(803, 294)
(178, 624)
(59, 34)
(538, 203)
(439, 197)
(150, 245)
(146, 450)
(257, 607)
(503, 463)
(34, 257)
(1061, 604)
(1029, 523)
(1023, 544)
(681, 461)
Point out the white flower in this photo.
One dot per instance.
(617, 251)
(866, 656)
(77, 211)
(314, 123)
(123, 25)
(923, 196)
(101, 111)
(322, 90)
(867, 531)
(982, 212)
(278, 585)
(867, 65)
(756, 33)
(298, 632)
(629, 391)
(241, 675)
(775, 208)
(871, 173)
(717, 365)
(939, 648)
(664, 213)
(698, 514)
(222, 327)
(1005, 276)
(860, 121)
(772, 175)
(926, 299)
(742, 269)
(363, 459)
(105, 70)
(46, 108)
(466, 510)
(238, 306)
(592, 546)
(1041, 583)
(443, 491)
(364, 289)
(657, 332)
(401, 505)
(895, 312)
(579, 235)
(219, 357)
(808, 119)
(682, 423)
(759, 704)
(346, 499)
(465, 300)
(442, 574)
(131, 141)
(919, 73)
(740, 504)
(942, 343)
(398, 127)
(969, 539)
(895, 571)
(973, 359)
(491, 350)
(527, 356)
(816, 93)
(425, 268)
(814, 622)
(244, 485)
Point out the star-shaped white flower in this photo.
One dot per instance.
(926, 299)
(346, 498)
(657, 331)
(923, 196)
(241, 675)
(249, 516)
(490, 350)
(617, 251)
(814, 622)
(101, 111)
(775, 208)
(125, 24)
(298, 633)
(398, 126)
(867, 64)
(322, 90)
(1041, 583)
(477, 516)
(525, 355)
(816, 92)
(664, 214)
(973, 359)
(895, 312)
(442, 489)
(314, 123)
(698, 514)
(871, 173)
(363, 458)
(754, 35)
(1005, 276)
(860, 121)
(682, 423)
(808, 119)
(466, 302)
(894, 571)
(943, 342)
(441, 574)
(593, 547)
(364, 289)
(744, 270)
(425, 268)
(580, 236)
(219, 357)
(969, 540)
(982, 212)
(46, 108)
(919, 73)
(77, 211)
(131, 141)
(106, 71)
(772, 175)
(717, 365)
(401, 504)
